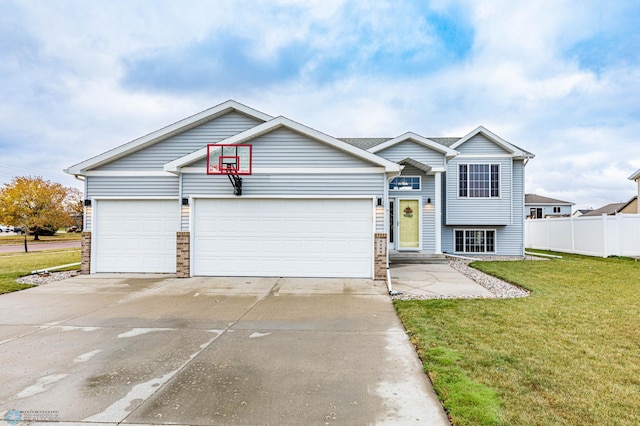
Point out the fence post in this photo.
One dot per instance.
(546, 227)
(618, 250)
(573, 236)
(604, 235)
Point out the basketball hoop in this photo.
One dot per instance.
(230, 160)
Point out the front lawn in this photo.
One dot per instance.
(15, 265)
(569, 354)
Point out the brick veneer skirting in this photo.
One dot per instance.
(380, 256)
(85, 253)
(183, 255)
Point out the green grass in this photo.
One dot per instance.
(15, 265)
(569, 354)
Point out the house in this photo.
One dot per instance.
(633, 205)
(302, 204)
(538, 207)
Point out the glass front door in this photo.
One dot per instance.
(408, 224)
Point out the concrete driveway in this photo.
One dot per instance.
(144, 349)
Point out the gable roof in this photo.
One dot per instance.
(167, 132)
(418, 165)
(276, 123)
(635, 175)
(513, 149)
(609, 209)
(421, 140)
(539, 199)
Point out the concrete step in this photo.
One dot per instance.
(396, 257)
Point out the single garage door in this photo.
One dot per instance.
(135, 235)
(283, 237)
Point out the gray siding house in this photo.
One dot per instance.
(312, 206)
(539, 207)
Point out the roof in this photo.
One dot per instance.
(584, 211)
(418, 165)
(612, 208)
(165, 133)
(539, 199)
(515, 150)
(364, 143)
(377, 144)
(279, 122)
(368, 143)
(420, 140)
(635, 175)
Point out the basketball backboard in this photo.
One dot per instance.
(228, 159)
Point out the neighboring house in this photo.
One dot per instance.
(631, 206)
(538, 207)
(313, 205)
(581, 212)
(634, 207)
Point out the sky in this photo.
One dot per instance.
(559, 78)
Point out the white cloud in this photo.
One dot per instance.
(521, 76)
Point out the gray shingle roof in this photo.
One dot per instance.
(539, 199)
(364, 143)
(418, 165)
(367, 143)
(612, 208)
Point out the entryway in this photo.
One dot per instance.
(405, 223)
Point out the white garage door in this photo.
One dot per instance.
(283, 237)
(135, 235)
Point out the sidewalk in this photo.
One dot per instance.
(434, 281)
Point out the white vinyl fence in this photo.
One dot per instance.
(603, 236)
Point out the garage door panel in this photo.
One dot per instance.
(283, 237)
(135, 235)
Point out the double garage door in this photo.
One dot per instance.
(242, 237)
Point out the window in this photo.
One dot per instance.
(535, 212)
(405, 183)
(475, 241)
(556, 209)
(479, 180)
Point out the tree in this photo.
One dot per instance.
(74, 206)
(34, 204)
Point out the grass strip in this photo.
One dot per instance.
(569, 354)
(16, 265)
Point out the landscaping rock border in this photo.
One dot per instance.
(40, 279)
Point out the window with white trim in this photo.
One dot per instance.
(479, 180)
(556, 209)
(405, 183)
(475, 240)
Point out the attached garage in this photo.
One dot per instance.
(289, 237)
(135, 235)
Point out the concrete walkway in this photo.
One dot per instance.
(434, 281)
(145, 349)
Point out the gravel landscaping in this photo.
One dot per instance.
(40, 279)
(501, 289)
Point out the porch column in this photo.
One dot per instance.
(438, 212)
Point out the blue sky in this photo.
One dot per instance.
(558, 78)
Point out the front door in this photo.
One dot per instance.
(408, 224)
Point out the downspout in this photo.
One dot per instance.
(386, 193)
